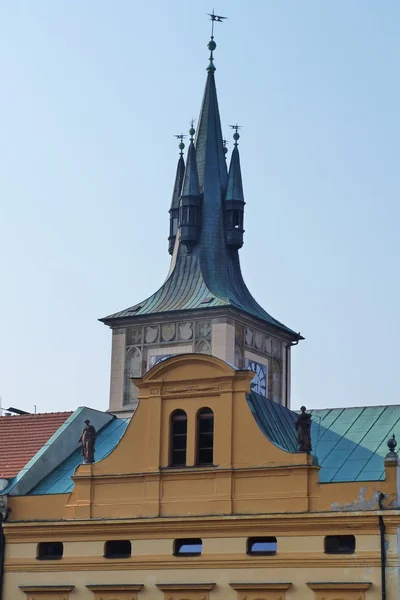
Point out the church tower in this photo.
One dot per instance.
(204, 304)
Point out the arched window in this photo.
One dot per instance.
(133, 368)
(178, 438)
(205, 436)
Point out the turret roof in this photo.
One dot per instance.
(210, 275)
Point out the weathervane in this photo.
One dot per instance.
(215, 18)
(181, 145)
(236, 135)
(211, 44)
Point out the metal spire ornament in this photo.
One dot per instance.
(211, 44)
(181, 145)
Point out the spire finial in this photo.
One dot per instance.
(211, 44)
(192, 130)
(236, 135)
(181, 145)
(391, 444)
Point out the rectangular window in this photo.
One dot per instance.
(262, 546)
(340, 544)
(118, 549)
(50, 550)
(188, 547)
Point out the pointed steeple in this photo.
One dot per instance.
(234, 199)
(176, 193)
(191, 185)
(209, 141)
(234, 189)
(190, 202)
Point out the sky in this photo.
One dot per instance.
(92, 95)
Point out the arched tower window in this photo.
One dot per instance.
(178, 438)
(133, 369)
(205, 436)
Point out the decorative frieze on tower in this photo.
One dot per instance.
(204, 305)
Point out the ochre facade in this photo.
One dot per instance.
(252, 489)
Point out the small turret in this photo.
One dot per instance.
(190, 201)
(234, 199)
(174, 210)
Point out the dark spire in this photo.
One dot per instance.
(205, 268)
(191, 185)
(234, 199)
(234, 189)
(190, 202)
(209, 144)
(174, 210)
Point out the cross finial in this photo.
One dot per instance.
(181, 146)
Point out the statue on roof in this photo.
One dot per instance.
(87, 441)
(303, 427)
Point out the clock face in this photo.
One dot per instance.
(259, 381)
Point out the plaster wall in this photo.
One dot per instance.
(221, 577)
(223, 341)
(117, 370)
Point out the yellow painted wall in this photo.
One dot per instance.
(253, 489)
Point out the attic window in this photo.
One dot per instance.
(50, 550)
(118, 549)
(188, 547)
(262, 546)
(340, 544)
(207, 300)
(133, 310)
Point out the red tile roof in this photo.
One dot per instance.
(21, 436)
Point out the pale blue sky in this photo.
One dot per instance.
(93, 92)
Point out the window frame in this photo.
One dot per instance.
(202, 415)
(179, 412)
(340, 549)
(269, 539)
(42, 556)
(186, 542)
(120, 555)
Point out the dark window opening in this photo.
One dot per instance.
(184, 215)
(189, 215)
(178, 438)
(340, 544)
(50, 550)
(188, 547)
(263, 546)
(174, 225)
(237, 220)
(118, 549)
(205, 437)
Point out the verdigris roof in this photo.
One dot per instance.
(59, 480)
(350, 444)
(208, 275)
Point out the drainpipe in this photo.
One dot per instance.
(3, 518)
(287, 368)
(383, 547)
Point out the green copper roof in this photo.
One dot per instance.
(209, 275)
(350, 444)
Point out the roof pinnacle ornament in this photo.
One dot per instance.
(181, 145)
(192, 130)
(211, 44)
(225, 148)
(236, 135)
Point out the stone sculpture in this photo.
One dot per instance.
(303, 427)
(87, 441)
